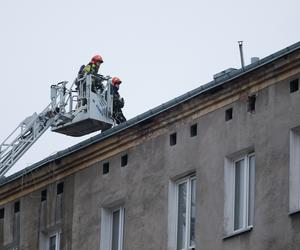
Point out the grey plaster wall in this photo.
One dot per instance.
(142, 186)
(29, 221)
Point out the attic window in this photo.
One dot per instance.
(173, 139)
(2, 213)
(193, 130)
(44, 195)
(17, 207)
(294, 85)
(105, 168)
(251, 103)
(60, 188)
(228, 114)
(124, 160)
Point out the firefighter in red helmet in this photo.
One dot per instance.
(92, 68)
(118, 101)
(116, 81)
(94, 65)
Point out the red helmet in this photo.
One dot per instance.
(116, 80)
(97, 58)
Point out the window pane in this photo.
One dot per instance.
(52, 243)
(193, 212)
(181, 227)
(115, 230)
(239, 190)
(251, 189)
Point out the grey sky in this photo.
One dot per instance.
(159, 48)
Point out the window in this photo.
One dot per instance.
(44, 195)
(54, 242)
(112, 228)
(60, 188)
(239, 193)
(182, 217)
(228, 114)
(2, 213)
(251, 103)
(173, 139)
(105, 168)
(50, 240)
(193, 130)
(294, 180)
(117, 230)
(294, 85)
(17, 207)
(124, 160)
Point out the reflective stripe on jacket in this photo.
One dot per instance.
(91, 69)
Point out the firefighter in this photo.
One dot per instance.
(92, 68)
(118, 101)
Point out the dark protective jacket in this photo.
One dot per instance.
(80, 72)
(118, 101)
(118, 104)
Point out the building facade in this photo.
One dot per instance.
(216, 168)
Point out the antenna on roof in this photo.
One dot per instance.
(241, 53)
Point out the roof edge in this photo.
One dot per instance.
(155, 111)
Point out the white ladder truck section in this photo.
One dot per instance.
(74, 112)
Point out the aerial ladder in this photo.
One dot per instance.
(85, 107)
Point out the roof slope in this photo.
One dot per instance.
(157, 110)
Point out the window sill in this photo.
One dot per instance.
(248, 229)
(296, 211)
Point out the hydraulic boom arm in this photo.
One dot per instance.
(29, 130)
(72, 112)
(23, 137)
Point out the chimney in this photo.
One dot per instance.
(254, 59)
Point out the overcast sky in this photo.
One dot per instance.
(159, 48)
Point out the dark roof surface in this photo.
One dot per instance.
(155, 111)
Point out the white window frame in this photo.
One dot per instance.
(247, 196)
(294, 171)
(57, 242)
(107, 228)
(173, 213)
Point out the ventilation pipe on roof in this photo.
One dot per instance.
(241, 53)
